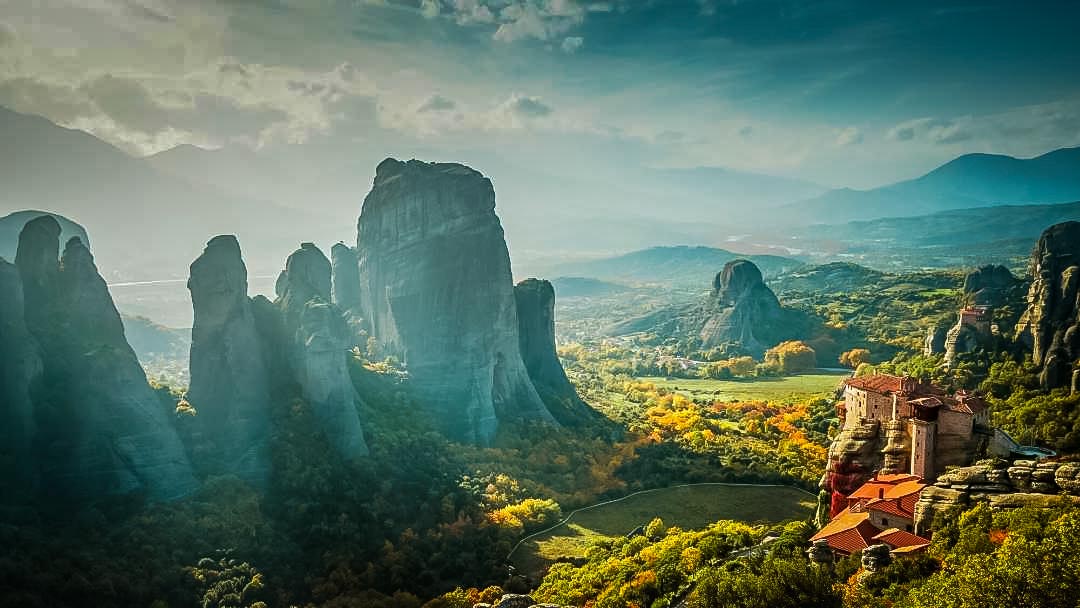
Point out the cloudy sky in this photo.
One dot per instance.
(847, 92)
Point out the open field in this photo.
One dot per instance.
(686, 507)
(821, 382)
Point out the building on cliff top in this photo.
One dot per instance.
(881, 511)
(925, 429)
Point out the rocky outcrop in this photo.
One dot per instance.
(436, 287)
(853, 456)
(345, 289)
(229, 377)
(935, 340)
(1051, 323)
(11, 226)
(965, 338)
(991, 285)
(319, 349)
(1002, 484)
(98, 428)
(743, 311)
(20, 372)
(535, 300)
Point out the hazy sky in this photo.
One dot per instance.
(844, 93)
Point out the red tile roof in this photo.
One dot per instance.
(899, 539)
(877, 383)
(890, 507)
(848, 532)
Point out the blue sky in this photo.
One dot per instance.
(849, 93)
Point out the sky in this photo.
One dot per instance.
(841, 93)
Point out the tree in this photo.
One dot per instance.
(855, 357)
(790, 357)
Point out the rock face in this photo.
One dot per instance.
(229, 378)
(1003, 484)
(11, 225)
(1051, 323)
(436, 287)
(320, 341)
(990, 285)
(535, 300)
(345, 288)
(743, 311)
(20, 371)
(96, 426)
(853, 457)
(935, 340)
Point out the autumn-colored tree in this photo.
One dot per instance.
(790, 357)
(855, 357)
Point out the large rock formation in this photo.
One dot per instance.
(743, 311)
(11, 225)
(345, 288)
(97, 428)
(990, 285)
(229, 377)
(20, 371)
(1051, 323)
(437, 290)
(536, 334)
(319, 349)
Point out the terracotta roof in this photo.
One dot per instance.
(907, 488)
(848, 532)
(891, 507)
(877, 383)
(899, 539)
(896, 477)
(927, 402)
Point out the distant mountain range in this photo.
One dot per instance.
(682, 265)
(972, 180)
(963, 237)
(146, 224)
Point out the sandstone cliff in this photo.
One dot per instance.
(20, 372)
(98, 427)
(319, 349)
(345, 289)
(229, 378)
(437, 289)
(1051, 324)
(535, 300)
(743, 311)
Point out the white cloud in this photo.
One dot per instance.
(572, 44)
(849, 136)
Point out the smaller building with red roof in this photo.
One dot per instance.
(881, 511)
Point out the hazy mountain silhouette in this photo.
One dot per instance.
(972, 180)
(147, 224)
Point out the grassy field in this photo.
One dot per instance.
(688, 508)
(820, 382)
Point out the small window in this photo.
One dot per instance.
(909, 528)
(884, 522)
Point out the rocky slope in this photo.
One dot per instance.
(96, 426)
(990, 285)
(1051, 323)
(319, 349)
(535, 300)
(437, 290)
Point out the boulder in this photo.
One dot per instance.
(319, 348)
(535, 301)
(1051, 324)
(742, 310)
(437, 290)
(100, 429)
(935, 340)
(229, 378)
